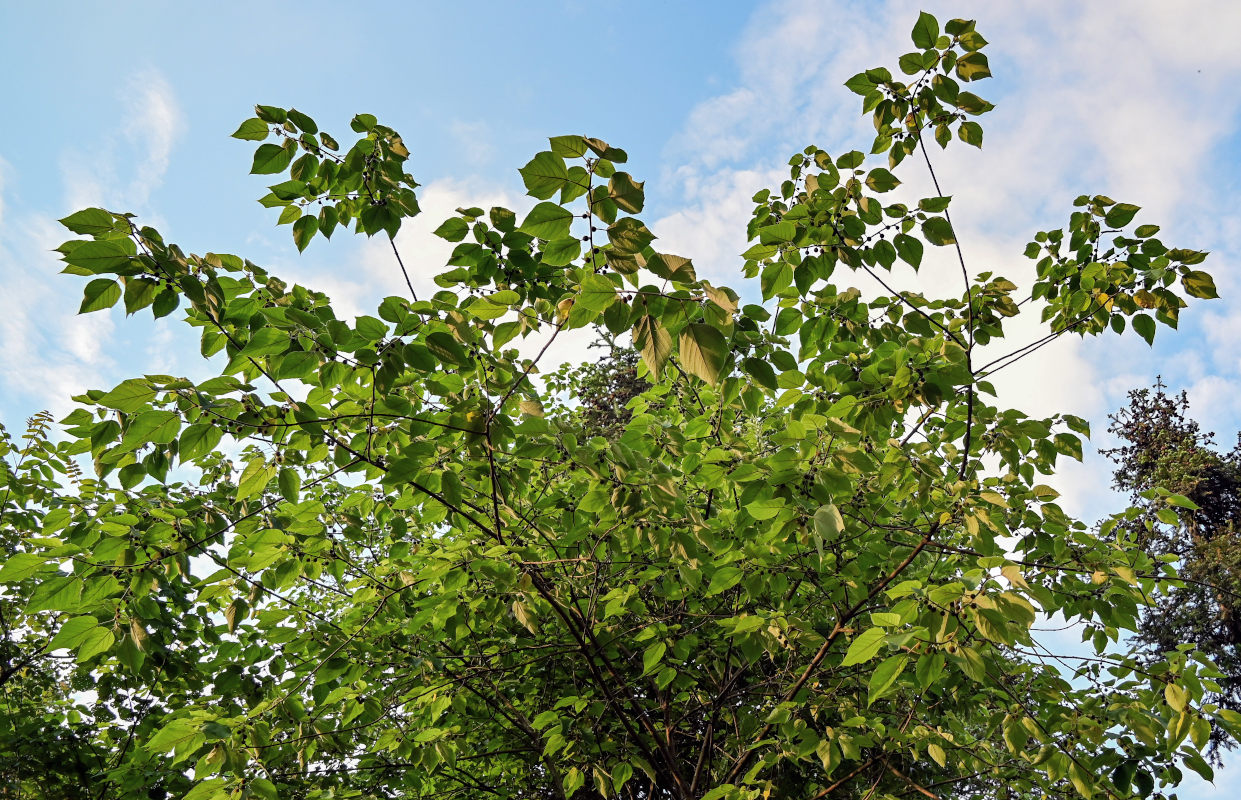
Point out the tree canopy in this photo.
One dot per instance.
(1162, 446)
(797, 551)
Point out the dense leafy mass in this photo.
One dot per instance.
(1161, 446)
(387, 558)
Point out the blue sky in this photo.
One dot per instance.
(129, 105)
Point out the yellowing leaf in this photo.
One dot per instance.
(1012, 573)
(703, 351)
(1175, 695)
(994, 498)
(653, 342)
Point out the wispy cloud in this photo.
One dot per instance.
(50, 352)
(124, 166)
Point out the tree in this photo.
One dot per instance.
(1163, 449)
(382, 558)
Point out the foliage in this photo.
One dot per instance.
(603, 389)
(381, 558)
(1163, 449)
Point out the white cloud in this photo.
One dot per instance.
(710, 227)
(50, 351)
(123, 168)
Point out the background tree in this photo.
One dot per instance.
(1163, 448)
(391, 562)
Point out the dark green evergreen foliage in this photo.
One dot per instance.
(604, 387)
(1163, 447)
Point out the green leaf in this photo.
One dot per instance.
(253, 129)
(574, 779)
(363, 123)
(568, 146)
(925, 32)
(561, 252)
(263, 789)
(1145, 326)
(265, 342)
(930, 667)
(860, 83)
(304, 230)
(139, 293)
(674, 268)
(652, 657)
(653, 342)
(97, 640)
(157, 427)
(724, 579)
(864, 647)
(547, 221)
(1181, 501)
(1175, 696)
(297, 364)
(210, 789)
(783, 231)
(290, 484)
(270, 159)
(703, 351)
(972, 103)
(99, 294)
(446, 348)
(970, 133)
(272, 114)
(453, 229)
(828, 523)
(90, 221)
(129, 396)
(972, 41)
(884, 676)
(1120, 215)
(173, 734)
(909, 249)
(880, 180)
(544, 175)
(973, 67)
(934, 205)
(628, 235)
(72, 633)
(198, 440)
(625, 192)
(21, 566)
(765, 508)
(994, 498)
(254, 478)
(938, 231)
(1199, 284)
(761, 371)
(302, 121)
(596, 294)
(606, 151)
